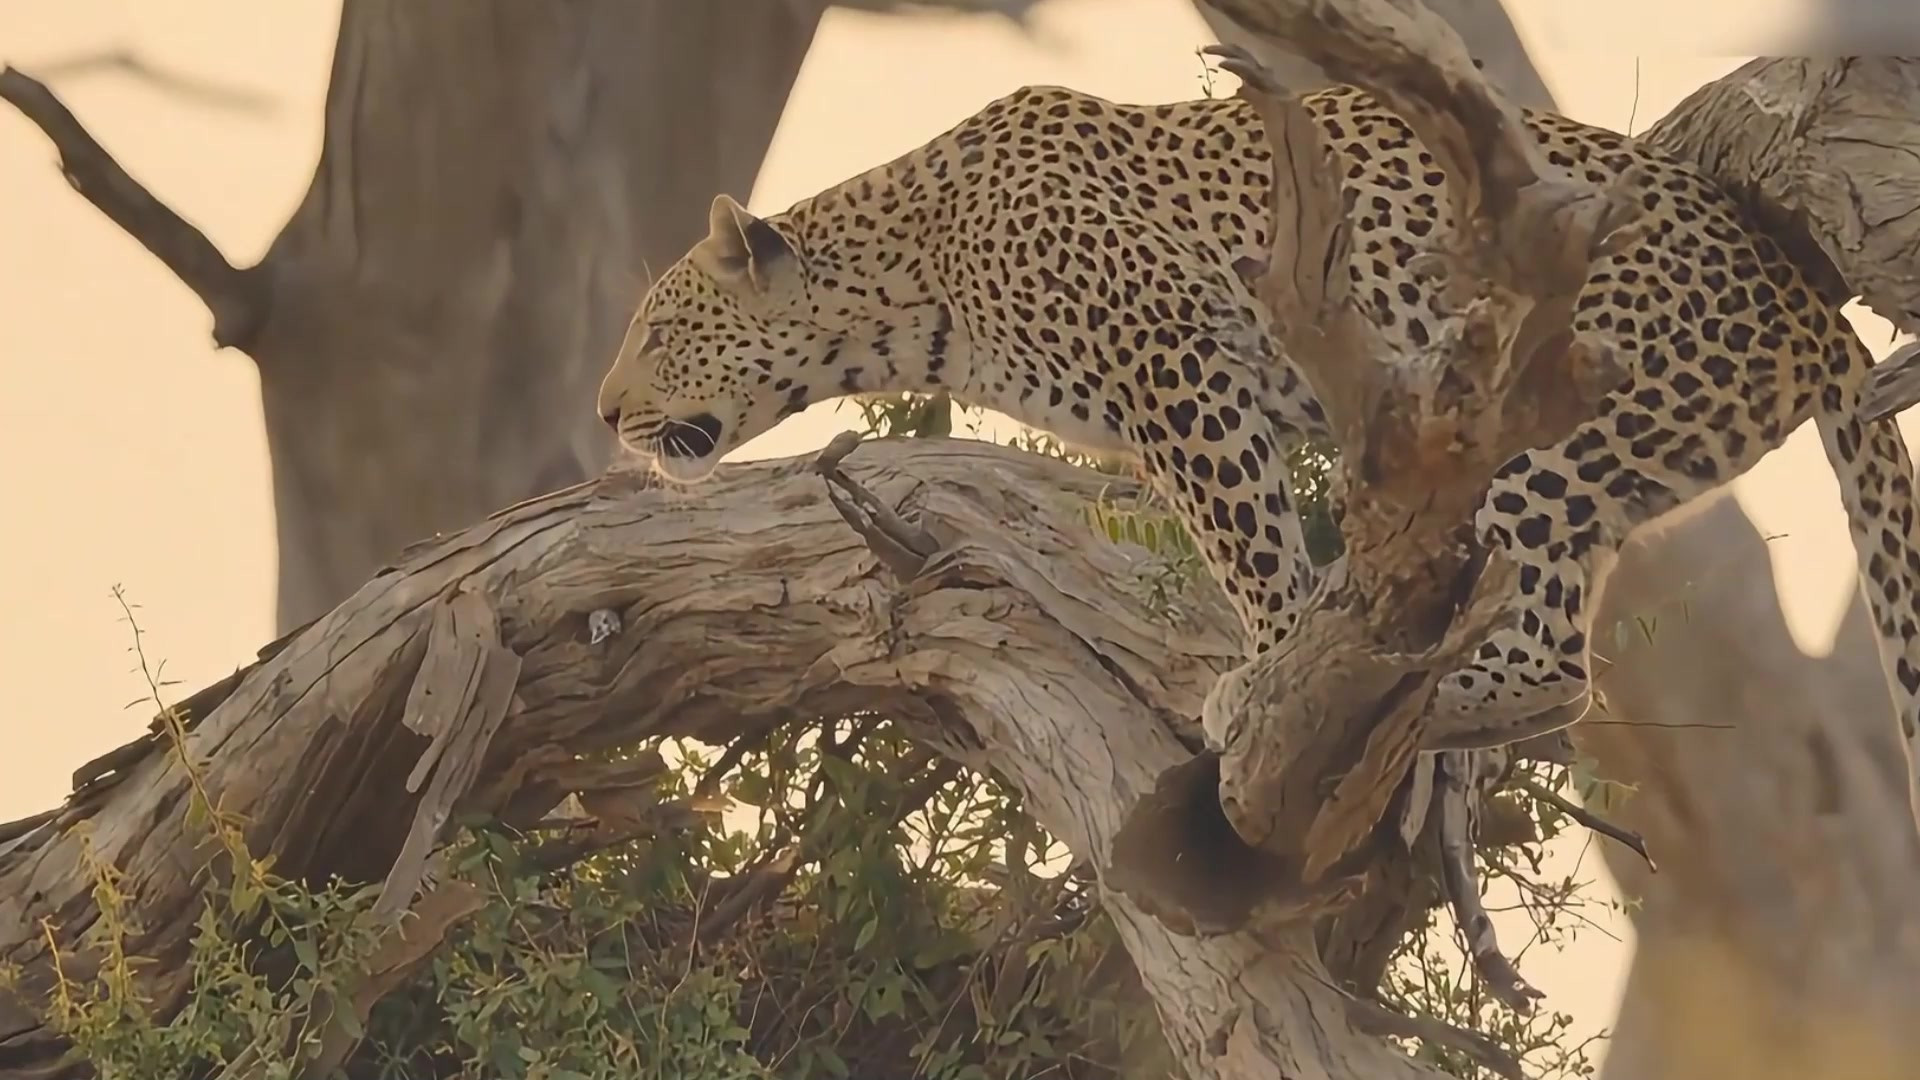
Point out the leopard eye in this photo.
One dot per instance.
(654, 339)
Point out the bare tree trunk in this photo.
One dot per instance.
(495, 181)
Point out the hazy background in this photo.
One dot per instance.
(132, 453)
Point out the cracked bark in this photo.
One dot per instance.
(1011, 650)
(1318, 736)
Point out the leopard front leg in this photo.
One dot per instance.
(1221, 466)
(1534, 676)
(1210, 414)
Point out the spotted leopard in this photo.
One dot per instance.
(1069, 261)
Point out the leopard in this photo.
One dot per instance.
(1074, 263)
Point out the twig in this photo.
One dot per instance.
(903, 547)
(1502, 979)
(237, 298)
(1591, 820)
(205, 91)
(1376, 1019)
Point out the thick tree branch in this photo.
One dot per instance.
(237, 298)
(1822, 151)
(1011, 649)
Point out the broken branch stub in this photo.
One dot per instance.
(1318, 734)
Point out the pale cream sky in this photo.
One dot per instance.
(120, 426)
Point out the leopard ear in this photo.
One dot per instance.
(741, 247)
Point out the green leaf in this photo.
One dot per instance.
(884, 1000)
(349, 1022)
(867, 931)
(831, 1060)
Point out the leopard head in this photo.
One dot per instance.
(735, 337)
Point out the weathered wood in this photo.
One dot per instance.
(1822, 150)
(1484, 25)
(1018, 648)
(610, 612)
(1318, 735)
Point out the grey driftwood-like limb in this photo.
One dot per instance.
(1017, 649)
(1820, 149)
(1896, 383)
(1453, 800)
(1317, 738)
(236, 297)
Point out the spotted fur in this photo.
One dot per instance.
(1069, 261)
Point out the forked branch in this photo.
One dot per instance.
(1316, 737)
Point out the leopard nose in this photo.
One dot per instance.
(612, 420)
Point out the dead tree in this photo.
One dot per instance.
(975, 608)
(495, 179)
